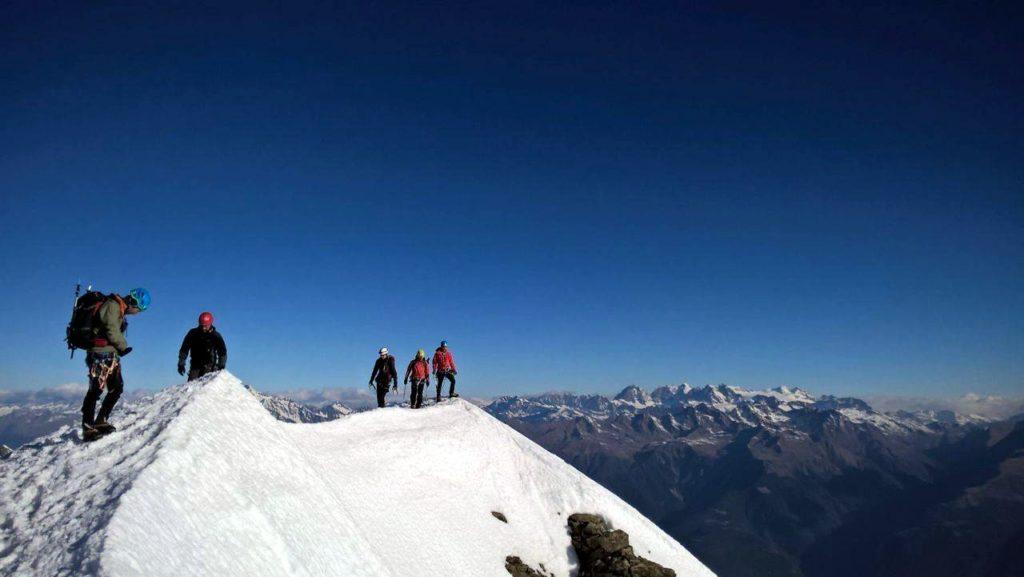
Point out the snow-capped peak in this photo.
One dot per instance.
(201, 480)
(715, 395)
(634, 396)
(791, 394)
(289, 411)
(672, 394)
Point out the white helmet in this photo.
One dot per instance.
(383, 350)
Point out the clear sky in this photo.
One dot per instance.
(576, 197)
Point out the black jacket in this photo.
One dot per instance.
(206, 348)
(384, 370)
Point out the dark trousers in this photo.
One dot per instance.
(114, 387)
(416, 398)
(382, 393)
(194, 372)
(440, 381)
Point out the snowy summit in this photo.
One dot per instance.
(202, 480)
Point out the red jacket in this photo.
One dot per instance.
(419, 370)
(443, 361)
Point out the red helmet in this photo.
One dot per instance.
(206, 319)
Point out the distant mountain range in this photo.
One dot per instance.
(22, 423)
(290, 411)
(746, 406)
(780, 482)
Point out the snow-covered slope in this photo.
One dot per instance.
(201, 480)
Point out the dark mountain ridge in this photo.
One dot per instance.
(779, 482)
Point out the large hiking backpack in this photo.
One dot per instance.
(83, 329)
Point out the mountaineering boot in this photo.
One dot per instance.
(104, 427)
(90, 433)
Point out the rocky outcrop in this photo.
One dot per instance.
(5, 451)
(606, 553)
(601, 552)
(516, 568)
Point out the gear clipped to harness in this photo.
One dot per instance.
(82, 329)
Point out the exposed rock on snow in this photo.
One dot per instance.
(5, 451)
(201, 480)
(515, 566)
(606, 553)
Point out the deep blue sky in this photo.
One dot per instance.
(576, 197)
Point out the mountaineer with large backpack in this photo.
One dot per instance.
(98, 326)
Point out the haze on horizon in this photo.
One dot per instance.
(576, 198)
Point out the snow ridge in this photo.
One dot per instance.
(201, 480)
(60, 490)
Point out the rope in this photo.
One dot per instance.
(102, 370)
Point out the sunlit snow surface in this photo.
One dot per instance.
(201, 480)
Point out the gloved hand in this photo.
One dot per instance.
(395, 387)
(405, 382)
(371, 383)
(181, 369)
(125, 352)
(454, 372)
